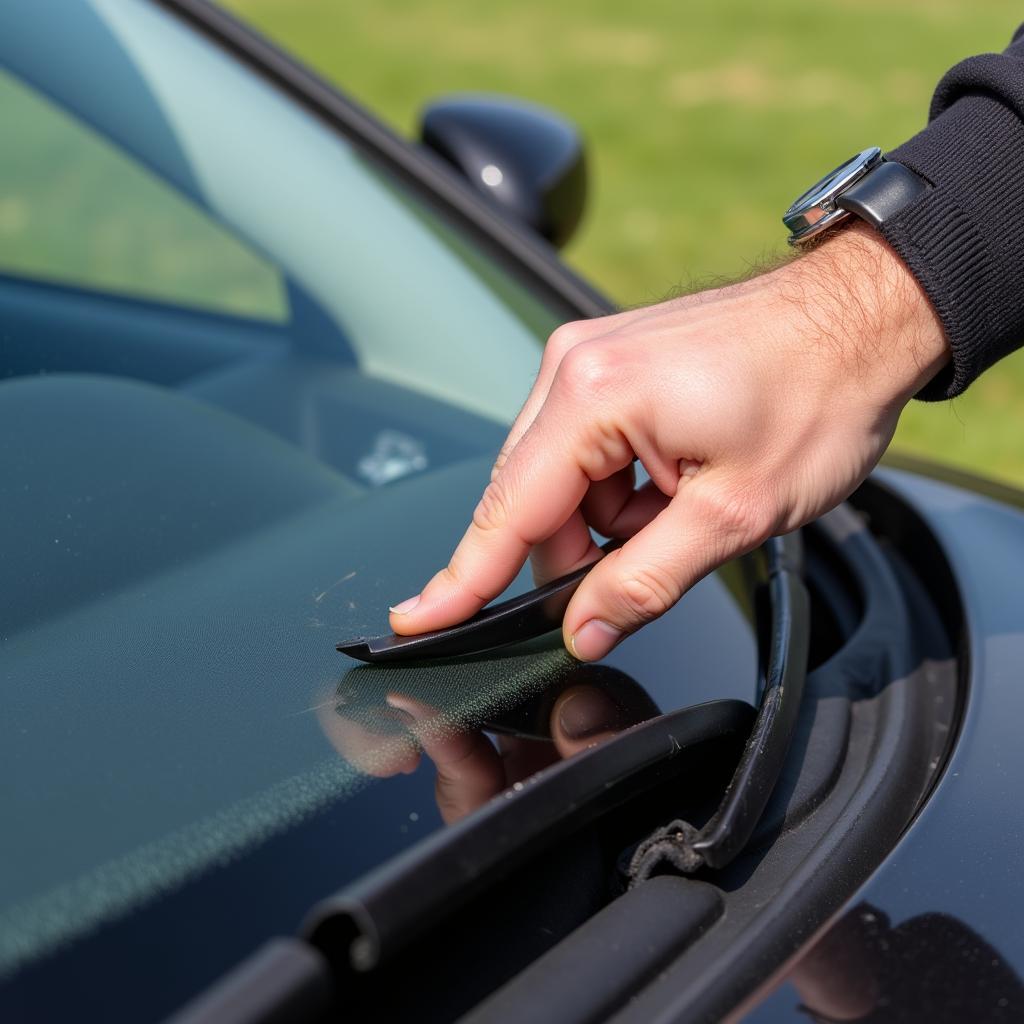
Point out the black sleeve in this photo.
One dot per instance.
(964, 239)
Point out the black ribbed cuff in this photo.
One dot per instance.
(943, 250)
(962, 239)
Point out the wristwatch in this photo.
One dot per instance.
(867, 185)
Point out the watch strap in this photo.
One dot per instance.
(883, 192)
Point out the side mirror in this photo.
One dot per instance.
(526, 160)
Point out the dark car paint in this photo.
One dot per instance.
(954, 883)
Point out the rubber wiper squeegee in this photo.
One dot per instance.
(525, 617)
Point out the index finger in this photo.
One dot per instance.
(538, 490)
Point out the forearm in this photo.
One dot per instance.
(868, 306)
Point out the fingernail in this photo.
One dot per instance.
(588, 713)
(594, 639)
(406, 606)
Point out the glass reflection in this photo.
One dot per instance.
(383, 721)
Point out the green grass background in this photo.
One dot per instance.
(76, 210)
(704, 119)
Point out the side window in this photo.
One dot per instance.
(75, 210)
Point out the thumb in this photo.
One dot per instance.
(702, 527)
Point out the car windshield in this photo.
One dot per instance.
(250, 389)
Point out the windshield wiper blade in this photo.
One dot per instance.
(541, 610)
(525, 617)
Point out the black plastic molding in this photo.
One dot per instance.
(375, 917)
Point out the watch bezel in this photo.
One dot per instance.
(816, 211)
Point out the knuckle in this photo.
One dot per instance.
(455, 575)
(491, 512)
(603, 449)
(500, 461)
(737, 514)
(587, 371)
(648, 592)
(565, 338)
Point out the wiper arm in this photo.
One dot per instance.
(754, 780)
(520, 618)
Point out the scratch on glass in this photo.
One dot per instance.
(337, 583)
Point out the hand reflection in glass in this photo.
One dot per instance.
(388, 735)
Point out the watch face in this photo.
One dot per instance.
(816, 208)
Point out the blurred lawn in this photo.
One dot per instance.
(704, 120)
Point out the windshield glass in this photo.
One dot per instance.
(249, 392)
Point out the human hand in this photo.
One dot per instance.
(754, 408)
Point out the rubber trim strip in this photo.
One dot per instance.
(381, 913)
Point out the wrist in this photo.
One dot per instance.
(857, 291)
